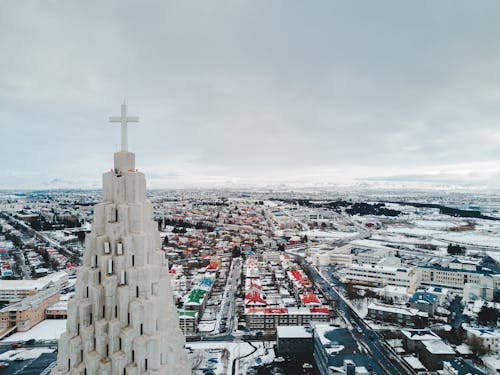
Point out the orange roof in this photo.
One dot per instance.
(310, 298)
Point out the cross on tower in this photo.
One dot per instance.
(124, 120)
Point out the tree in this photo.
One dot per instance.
(352, 292)
(54, 264)
(45, 255)
(476, 346)
(81, 236)
(456, 249)
(304, 239)
(165, 241)
(369, 293)
(488, 315)
(236, 252)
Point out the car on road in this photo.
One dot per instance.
(16, 345)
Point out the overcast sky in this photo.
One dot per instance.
(251, 92)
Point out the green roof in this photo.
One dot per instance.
(196, 296)
(187, 314)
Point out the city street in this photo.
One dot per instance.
(371, 340)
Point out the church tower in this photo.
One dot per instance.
(122, 319)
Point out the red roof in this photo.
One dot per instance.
(213, 266)
(319, 310)
(297, 275)
(310, 298)
(276, 310)
(254, 298)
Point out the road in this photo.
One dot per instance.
(371, 340)
(41, 236)
(227, 319)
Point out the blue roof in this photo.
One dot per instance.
(424, 297)
(206, 282)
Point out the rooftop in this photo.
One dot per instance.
(293, 332)
(40, 283)
(419, 334)
(461, 367)
(438, 347)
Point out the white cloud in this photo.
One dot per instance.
(250, 92)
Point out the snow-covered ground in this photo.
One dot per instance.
(472, 238)
(437, 224)
(206, 326)
(328, 234)
(361, 306)
(49, 329)
(24, 354)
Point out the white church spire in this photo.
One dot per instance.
(122, 319)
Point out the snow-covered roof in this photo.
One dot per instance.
(414, 362)
(40, 283)
(484, 333)
(419, 334)
(438, 347)
(293, 332)
(395, 309)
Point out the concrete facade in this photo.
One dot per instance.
(122, 320)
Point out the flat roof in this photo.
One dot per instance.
(438, 347)
(40, 283)
(291, 332)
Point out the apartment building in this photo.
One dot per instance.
(29, 312)
(488, 284)
(16, 290)
(377, 275)
(270, 318)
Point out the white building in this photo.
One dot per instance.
(490, 337)
(339, 255)
(122, 319)
(16, 290)
(457, 278)
(376, 275)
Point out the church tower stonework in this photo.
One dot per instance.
(122, 319)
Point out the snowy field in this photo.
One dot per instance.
(49, 329)
(486, 234)
(331, 234)
(24, 354)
